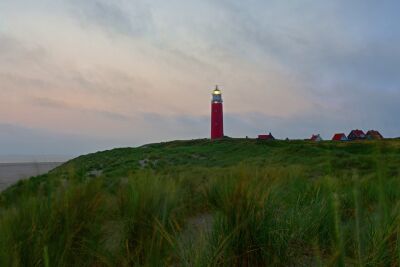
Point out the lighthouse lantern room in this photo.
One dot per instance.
(217, 117)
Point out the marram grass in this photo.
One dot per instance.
(201, 203)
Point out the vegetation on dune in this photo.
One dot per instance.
(233, 202)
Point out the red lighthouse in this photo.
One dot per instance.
(217, 116)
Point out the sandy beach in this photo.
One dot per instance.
(10, 173)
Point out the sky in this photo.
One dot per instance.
(82, 76)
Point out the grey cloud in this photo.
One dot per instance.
(58, 104)
(50, 103)
(112, 115)
(178, 126)
(374, 66)
(109, 82)
(106, 82)
(30, 67)
(312, 38)
(21, 82)
(13, 51)
(114, 16)
(135, 19)
(19, 140)
(26, 67)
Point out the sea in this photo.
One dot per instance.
(17, 167)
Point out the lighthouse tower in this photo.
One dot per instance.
(217, 116)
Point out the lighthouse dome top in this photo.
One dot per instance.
(216, 91)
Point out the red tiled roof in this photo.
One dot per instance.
(338, 137)
(357, 133)
(265, 136)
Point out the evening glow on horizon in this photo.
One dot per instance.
(80, 76)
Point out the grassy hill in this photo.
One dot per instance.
(233, 202)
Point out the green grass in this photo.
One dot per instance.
(234, 202)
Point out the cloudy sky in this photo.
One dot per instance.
(79, 76)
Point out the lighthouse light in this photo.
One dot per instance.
(216, 95)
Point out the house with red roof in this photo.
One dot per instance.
(266, 137)
(356, 135)
(316, 138)
(339, 137)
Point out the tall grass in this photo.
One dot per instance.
(277, 217)
(149, 206)
(58, 228)
(81, 224)
(295, 213)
